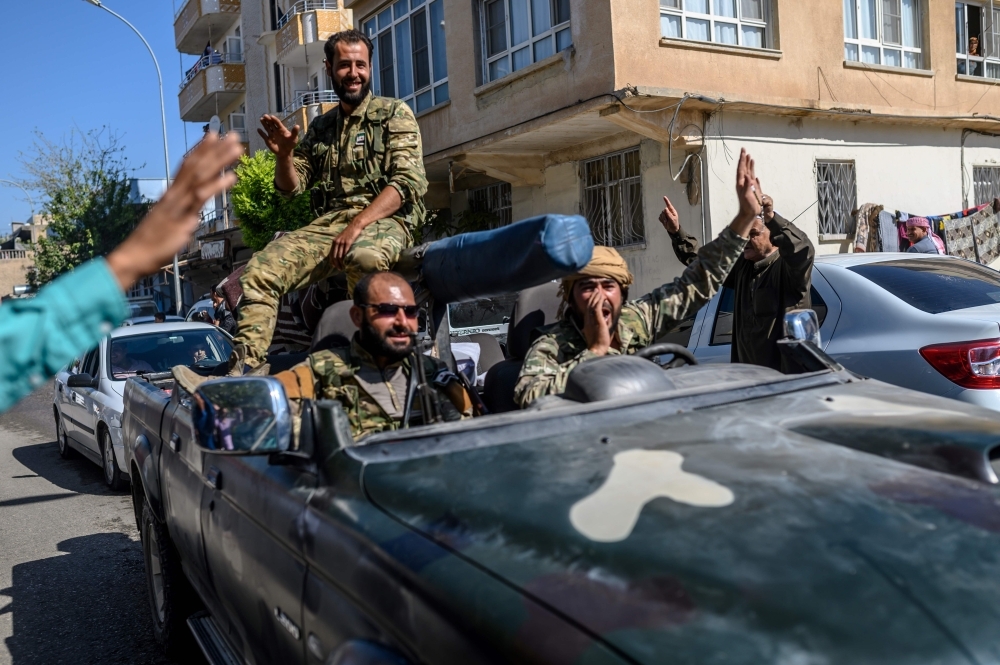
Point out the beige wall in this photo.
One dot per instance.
(12, 273)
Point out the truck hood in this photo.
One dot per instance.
(738, 534)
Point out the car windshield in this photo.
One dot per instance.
(935, 285)
(158, 352)
(484, 312)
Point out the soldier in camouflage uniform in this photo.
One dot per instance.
(370, 377)
(597, 321)
(363, 163)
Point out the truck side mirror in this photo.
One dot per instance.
(242, 415)
(803, 325)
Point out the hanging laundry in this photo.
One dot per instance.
(888, 232)
(986, 233)
(866, 233)
(958, 235)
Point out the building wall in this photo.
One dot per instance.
(12, 273)
(256, 22)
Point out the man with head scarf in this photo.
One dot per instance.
(918, 232)
(599, 320)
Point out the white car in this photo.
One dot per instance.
(87, 403)
(205, 305)
(921, 321)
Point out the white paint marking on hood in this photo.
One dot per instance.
(637, 477)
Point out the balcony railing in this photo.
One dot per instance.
(11, 254)
(210, 60)
(307, 97)
(303, 6)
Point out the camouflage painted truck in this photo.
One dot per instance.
(651, 514)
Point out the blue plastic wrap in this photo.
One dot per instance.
(506, 260)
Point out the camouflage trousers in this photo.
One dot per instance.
(302, 257)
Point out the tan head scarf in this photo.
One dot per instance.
(605, 263)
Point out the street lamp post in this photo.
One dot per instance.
(163, 119)
(21, 187)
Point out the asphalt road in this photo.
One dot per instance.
(72, 584)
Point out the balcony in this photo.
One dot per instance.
(215, 82)
(304, 29)
(307, 105)
(201, 21)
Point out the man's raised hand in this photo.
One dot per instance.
(278, 138)
(669, 218)
(595, 329)
(747, 188)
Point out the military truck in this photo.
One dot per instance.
(656, 512)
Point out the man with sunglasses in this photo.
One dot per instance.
(370, 377)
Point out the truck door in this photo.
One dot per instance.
(254, 551)
(183, 483)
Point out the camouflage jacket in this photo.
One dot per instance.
(561, 346)
(348, 162)
(334, 370)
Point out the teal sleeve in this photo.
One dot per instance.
(68, 317)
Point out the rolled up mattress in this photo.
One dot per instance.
(507, 260)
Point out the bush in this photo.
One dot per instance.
(261, 211)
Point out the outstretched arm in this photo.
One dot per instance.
(72, 314)
(685, 245)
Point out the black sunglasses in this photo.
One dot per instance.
(387, 309)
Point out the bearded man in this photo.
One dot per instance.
(599, 320)
(363, 163)
(371, 376)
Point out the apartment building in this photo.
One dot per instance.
(601, 107)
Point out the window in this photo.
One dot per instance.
(935, 285)
(238, 124)
(722, 331)
(977, 40)
(612, 199)
(493, 199)
(986, 180)
(837, 190)
(520, 32)
(234, 46)
(884, 32)
(736, 22)
(409, 60)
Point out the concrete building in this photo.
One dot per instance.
(601, 107)
(17, 255)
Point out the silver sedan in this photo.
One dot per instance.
(88, 399)
(930, 323)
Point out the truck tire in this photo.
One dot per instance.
(171, 598)
(64, 450)
(112, 476)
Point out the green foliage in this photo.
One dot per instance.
(84, 182)
(441, 224)
(261, 211)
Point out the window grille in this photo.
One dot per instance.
(409, 53)
(884, 32)
(735, 22)
(986, 181)
(612, 199)
(495, 199)
(517, 33)
(837, 189)
(979, 23)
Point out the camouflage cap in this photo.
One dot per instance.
(605, 263)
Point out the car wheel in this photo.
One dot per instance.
(171, 598)
(112, 476)
(61, 439)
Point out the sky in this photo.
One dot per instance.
(71, 65)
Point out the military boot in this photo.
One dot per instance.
(238, 364)
(188, 379)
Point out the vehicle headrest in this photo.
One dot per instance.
(535, 307)
(606, 378)
(335, 327)
(490, 263)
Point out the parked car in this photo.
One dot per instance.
(87, 402)
(205, 305)
(138, 320)
(930, 323)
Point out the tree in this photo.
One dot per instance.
(85, 187)
(261, 210)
